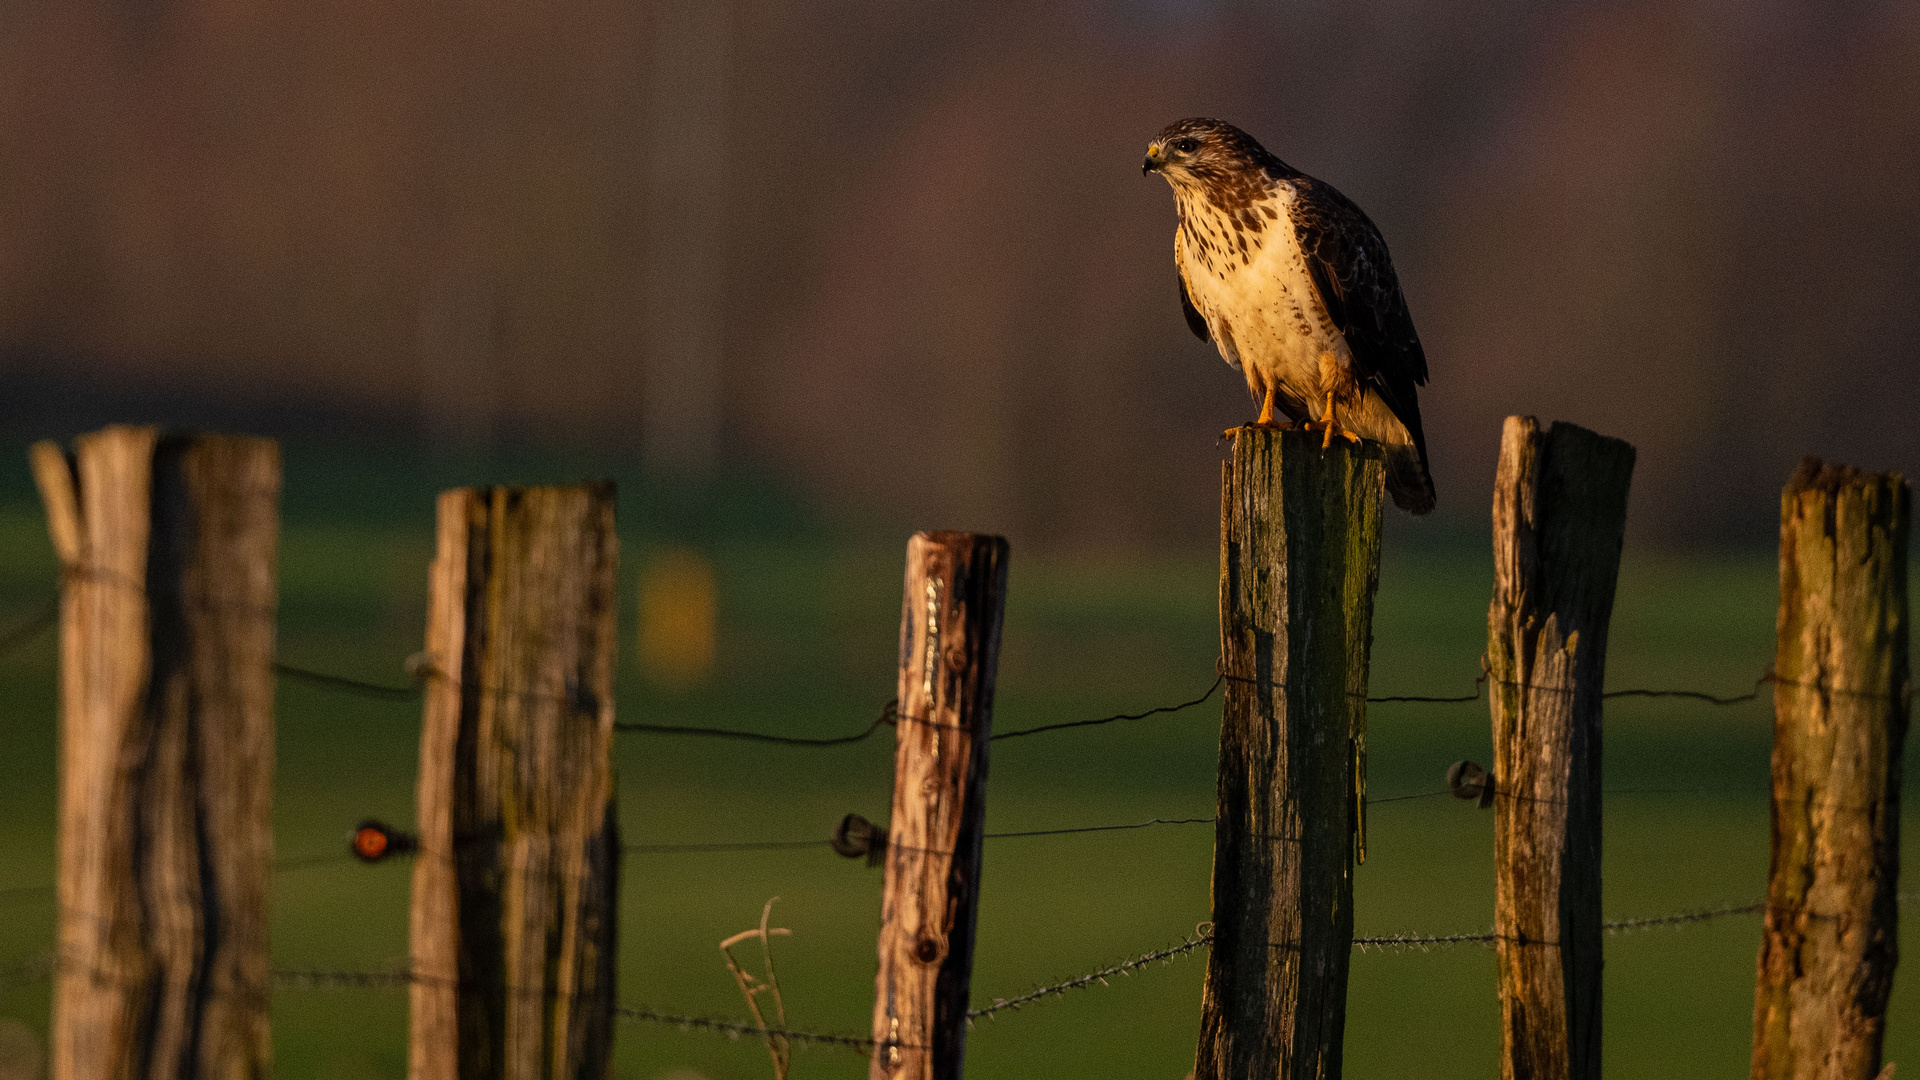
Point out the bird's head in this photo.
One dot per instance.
(1201, 152)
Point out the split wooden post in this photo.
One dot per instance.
(1841, 699)
(1299, 563)
(514, 887)
(956, 588)
(1559, 520)
(167, 544)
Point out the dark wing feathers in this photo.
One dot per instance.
(1355, 278)
(1195, 321)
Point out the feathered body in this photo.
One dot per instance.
(1294, 285)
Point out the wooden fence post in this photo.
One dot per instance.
(1559, 519)
(514, 887)
(949, 650)
(1299, 562)
(166, 751)
(1840, 700)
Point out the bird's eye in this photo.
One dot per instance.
(1187, 146)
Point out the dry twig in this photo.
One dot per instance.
(751, 987)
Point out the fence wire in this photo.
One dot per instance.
(1203, 937)
(30, 629)
(318, 979)
(1200, 939)
(890, 715)
(43, 967)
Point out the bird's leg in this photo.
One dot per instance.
(1329, 427)
(1266, 416)
(1338, 382)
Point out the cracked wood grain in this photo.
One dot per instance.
(514, 887)
(1841, 705)
(1559, 520)
(1299, 564)
(167, 544)
(956, 585)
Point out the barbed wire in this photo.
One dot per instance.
(1423, 942)
(322, 979)
(1202, 937)
(1682, 918)
(1199, 939)
(735, 1029)
(43, 966)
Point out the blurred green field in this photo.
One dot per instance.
(807, 637)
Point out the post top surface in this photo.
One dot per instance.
(1814, 474)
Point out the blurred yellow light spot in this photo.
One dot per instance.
(679, 618)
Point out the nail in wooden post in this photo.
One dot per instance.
(514, 887)
(1840, 700)
(949, 650)
(166, 751)
(1299, 562)
(1559, 519)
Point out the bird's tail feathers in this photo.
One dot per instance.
(1407, 479)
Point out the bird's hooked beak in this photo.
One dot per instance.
(1154, 160)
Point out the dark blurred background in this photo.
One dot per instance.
(900, 257)
(806, 276)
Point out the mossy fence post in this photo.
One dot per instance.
(956, 586)
(167, 547)
(1841, 699)
(514, 886)
(1299, 563)
(1559, 521)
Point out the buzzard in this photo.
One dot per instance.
(1294, 285)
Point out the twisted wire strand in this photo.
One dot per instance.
(43, 966)
(1199, 939)
(1423, 942)
(1203, 937)
(317, 979)
(1683, 918)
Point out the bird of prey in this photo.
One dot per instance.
(1294, 285)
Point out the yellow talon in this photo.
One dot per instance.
(1266, 415)
(1330, 427)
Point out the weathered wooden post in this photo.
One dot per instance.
(513, 890)
(949, 650)
(166, 751)
(1841, 701)
(1559, 519)
(1299, 562)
